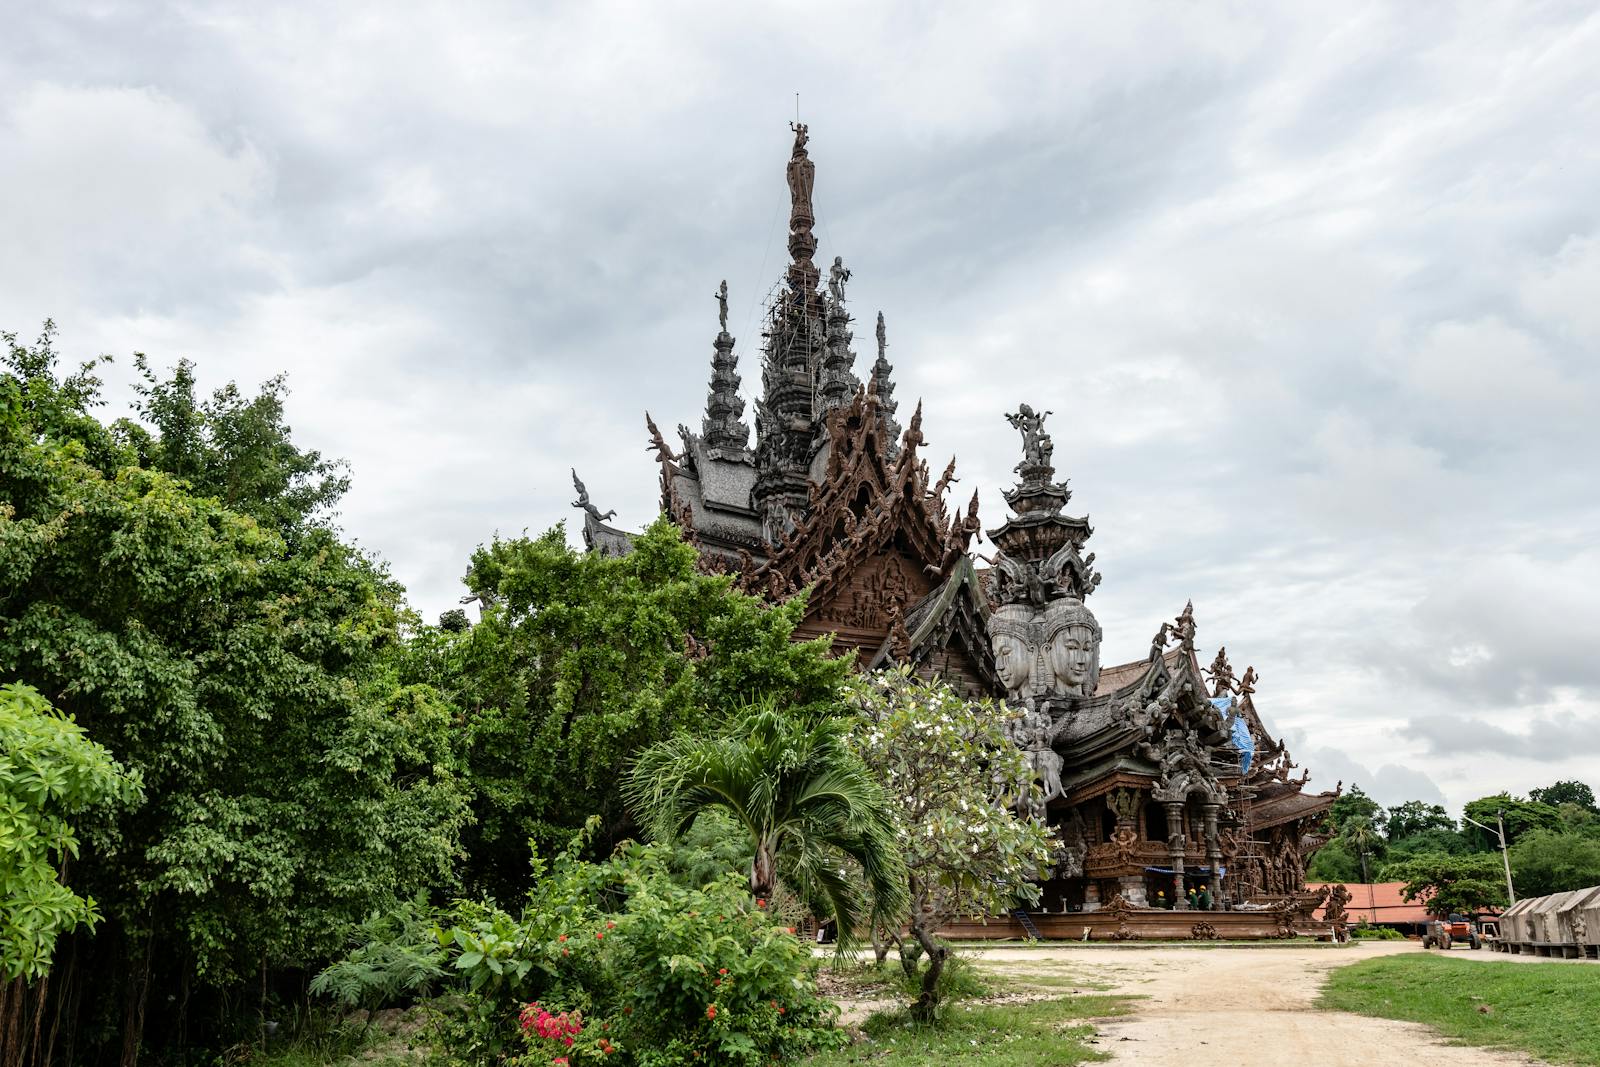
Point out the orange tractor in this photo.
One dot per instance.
(1442, 933)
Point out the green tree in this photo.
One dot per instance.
(1569, 791)
(1354, 804)
(1451, 884)
(50, 772)
(1334, 862)
(1544, 861)
(1521, 817)
(292, 784)
(952, 772)
(1414, 817)
(233, 448)
(1449, 842)
(1364, 840)
(802, 795)
(579, 662)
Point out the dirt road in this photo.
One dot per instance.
(1240, 1006)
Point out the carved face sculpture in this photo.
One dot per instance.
(1011, 640)
(1072, 647)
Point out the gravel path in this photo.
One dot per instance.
(1241, 1006)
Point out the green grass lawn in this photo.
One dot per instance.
(1550, 1010)
(1044, 1033)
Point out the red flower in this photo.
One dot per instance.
(711, 1011)
(611, 926)
(563, 937)
(723, 971)
(599, 935)
(789, 928)
(761, 902)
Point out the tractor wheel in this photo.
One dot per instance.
(1446, 943)
(1476, 942)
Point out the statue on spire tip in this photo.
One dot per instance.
(1036, 444)
(838, 274)
(883, 336)
(722, 305)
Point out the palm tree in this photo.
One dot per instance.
(802, 794)
(1361, 835)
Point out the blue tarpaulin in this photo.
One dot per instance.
(1240, 732)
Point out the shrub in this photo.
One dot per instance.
(1376, 933)
(616, 961)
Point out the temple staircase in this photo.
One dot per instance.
(1022, 917)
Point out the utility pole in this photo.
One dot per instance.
(1505, 857)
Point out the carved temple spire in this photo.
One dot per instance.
(796, 343)
(883, 386)
(724, 426)
(802, 176)
(836, 379)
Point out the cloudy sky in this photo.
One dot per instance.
(1316, 303)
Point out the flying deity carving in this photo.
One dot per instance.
(1036, 445)
(584, 503)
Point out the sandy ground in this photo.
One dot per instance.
(1241, 1006)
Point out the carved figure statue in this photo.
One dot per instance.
(583, 500)
(1036, 445)
(1035, 733)
(1184, 627)
(1071, 846)
(1158, 644)
(1013, 639)
(947, 479)
(1221, 672)
(1072, 647)
(883, 337)
(722, 305)
(1247, 684)
(838, 274)
(1337, 899)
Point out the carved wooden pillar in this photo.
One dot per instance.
(1213, 851)
(1091, 895)
(1175, 851)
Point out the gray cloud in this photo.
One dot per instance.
(1310, 295)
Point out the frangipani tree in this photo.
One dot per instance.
(952, 773)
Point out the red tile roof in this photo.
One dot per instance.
(1377, 903)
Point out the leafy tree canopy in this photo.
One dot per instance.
(1449, 842)
(1569, 791)
(1334, 862)
(1451, 884)
(1414, 817)
(1544, 861)
(292, 784)
(49, 772)
(581, 661)
(1521, 816)
(1355, 804)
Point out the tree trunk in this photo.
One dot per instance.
(927, 1002)
(910, 953)
(883, 939)
(763, 871)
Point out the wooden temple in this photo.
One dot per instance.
(1158, 776)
